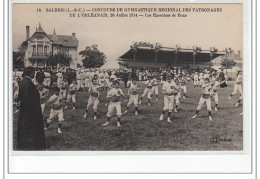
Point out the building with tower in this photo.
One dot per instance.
(45, 50)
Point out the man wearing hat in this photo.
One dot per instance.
(40, 76)
(30, 129)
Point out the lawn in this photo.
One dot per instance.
(145, 132)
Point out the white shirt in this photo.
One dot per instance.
(133, 89)
(169, 88)
(206, 88)
(215, 86)
(238, 79)
(94, 89)
(149, 84)
(113, 76)
(115, 92)
(57, 101)
(72, 88)
(87, 75)
(59, 75)
(196, 77)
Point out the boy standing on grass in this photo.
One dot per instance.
(183, 86)
(93, 97)
(155, 88)
(63, 88)
(87, 81)
(147, 90)
(201, 79)
(177, 95)
(237, 85)
(59, 78)
(72, 94)
(239, 100)
(196, 79)
(216, 84)
(56, 110)
(109, 87)
(101, 78)
(133, 96)
(168, 89)
(205, 98)
(129, 82)
(114, 102)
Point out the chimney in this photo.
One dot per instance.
(27, 32)
(73, 36)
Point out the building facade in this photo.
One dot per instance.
(42, 48)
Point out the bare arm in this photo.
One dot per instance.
(51, 99)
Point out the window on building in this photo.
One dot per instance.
(34, 49)
(39, 49)
(45, 49)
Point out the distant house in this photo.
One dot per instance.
(231, 56)
(42, 47)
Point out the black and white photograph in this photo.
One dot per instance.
(127, 77)
(120, 87)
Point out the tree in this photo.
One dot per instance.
(228, 63)
(92, 57)
(22, 48)
(17, 60)
(60, 58)
(19, 55)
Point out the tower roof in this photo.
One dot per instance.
(64, 40)
(40, 30)
(54, 37)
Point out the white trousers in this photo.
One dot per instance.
(114, 106)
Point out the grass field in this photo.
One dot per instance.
(145, 132)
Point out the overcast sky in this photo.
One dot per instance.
(115, 35)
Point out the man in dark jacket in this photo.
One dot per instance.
(124, 77)
(30, 130)
(40, 76)
(221, 75)
(71, 75)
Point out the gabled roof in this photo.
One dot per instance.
(111, 65)
(39, 33)
(65, 40)
(231, 56)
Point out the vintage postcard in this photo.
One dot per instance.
(162, 78)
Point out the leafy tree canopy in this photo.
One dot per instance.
(228, 62)
(92, 57)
